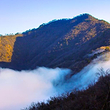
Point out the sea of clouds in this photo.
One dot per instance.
(18, 89)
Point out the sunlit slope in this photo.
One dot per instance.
(6, 47)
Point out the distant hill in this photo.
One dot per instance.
(60, 43)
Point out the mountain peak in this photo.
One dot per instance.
(84, 16)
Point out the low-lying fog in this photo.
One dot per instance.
(18, 89)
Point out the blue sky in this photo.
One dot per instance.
(21, 15)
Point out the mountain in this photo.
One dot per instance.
(61, 43)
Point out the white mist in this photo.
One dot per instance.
(18, 89)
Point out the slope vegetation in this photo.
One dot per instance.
(6, 47)
(96, 97)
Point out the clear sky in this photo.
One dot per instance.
(21, 15)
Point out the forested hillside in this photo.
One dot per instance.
(60, 43)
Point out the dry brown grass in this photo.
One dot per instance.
(6, 47)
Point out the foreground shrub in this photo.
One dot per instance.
(96, 97)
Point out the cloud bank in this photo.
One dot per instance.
(18, 89)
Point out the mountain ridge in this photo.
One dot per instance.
(59, 43)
